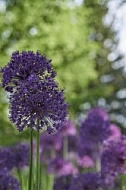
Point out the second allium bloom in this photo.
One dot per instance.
(96, 126)
(34, 95)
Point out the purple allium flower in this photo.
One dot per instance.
(100, 112)
(22, 65)
(7, 181)
(85, 148)
(61, 167)
(62, 182)
(68, 129)
(48, 142)
(50, 145)
(72, 143)
(115, 134)
(14, 156)
(95, 128)
(85, 161)
(34, 93)
(87, 181)
(6, 158)
(113, 160)
(86, 154)
(21, 155)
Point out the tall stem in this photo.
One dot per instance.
(31, 161)
(38, 158)
(20, 177)
(65, 147)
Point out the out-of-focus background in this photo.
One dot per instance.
(85, 40)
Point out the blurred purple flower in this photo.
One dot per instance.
(61, 167)
(62, 182)
(87, 181)
(113, 160)
(21, 154)
(85, 148)
(115, 134)
(14, 156)
(68, 129)
(49, 142)
(7, 181)
(6, 158)
(30, 79)
(72, 143)
(50, 145)
(86, 153)
(85, 162)
(98, 111)
(69, 147)
(95, 128)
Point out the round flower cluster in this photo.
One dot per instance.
(86, 181)
(7, 181)
(24, 64)
(113, 160)
(62, 182)
(35, 96)
(61, 167)
(96, 126)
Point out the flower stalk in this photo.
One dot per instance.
(31, 161)
(38, 158)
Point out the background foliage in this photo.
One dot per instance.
(79, 43)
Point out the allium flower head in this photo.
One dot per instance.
(62, 182)
(72, 143)
(113, 160)
(20, 155)
(115, 133)
(95, 128)
(6, 158)
(84, 148)
(97, 111)
(87, 153)
(7, 181)
(87, 181)
(53, 142)
(68, 129)
(61, 167)
(24, 64)
(50, 145)
(85, 161)
(34, 93)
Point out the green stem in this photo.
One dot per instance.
(31, 161)
(20, 177)
(38, 159)
(123, 178)
(65, 147)
(98, 161)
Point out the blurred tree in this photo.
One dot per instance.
(109, 89)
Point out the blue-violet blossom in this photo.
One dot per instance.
(61, 167)
(7, 181)
(87, 181)
(96, 127)
(62, 182)
(34, 95)
(113, 159)
(22, 65)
